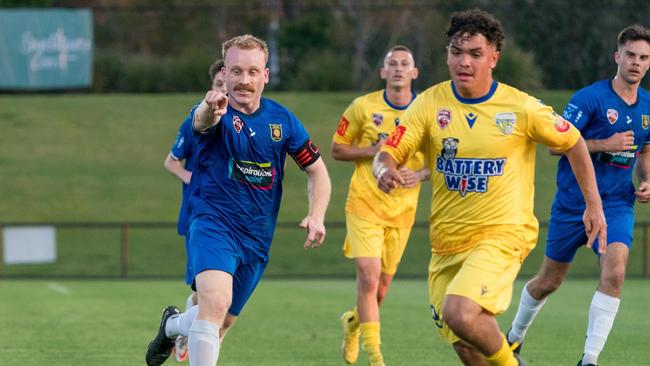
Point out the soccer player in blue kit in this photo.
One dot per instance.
(180, 163)
(614, 118)
(236, 187)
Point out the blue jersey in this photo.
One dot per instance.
(183, 149)
(598, 112)
(239, 171)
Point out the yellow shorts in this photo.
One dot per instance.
(365, 238)
(485, 274)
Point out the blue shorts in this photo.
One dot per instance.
(213, 247)
(566, 232)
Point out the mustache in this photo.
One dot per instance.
(245, 87)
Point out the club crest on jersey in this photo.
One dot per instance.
(449, 147)
(237, 123)
(612, 115)
(276, 131)
(561, 125)
(645, 121)
(506, 122)
(465, 175)
(444, 117)
(377, 119)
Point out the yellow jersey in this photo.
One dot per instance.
(368, 119)
(482, 158)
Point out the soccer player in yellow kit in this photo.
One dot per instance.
(378, 224)
(481, 139)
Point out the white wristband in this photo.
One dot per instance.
(380, 172)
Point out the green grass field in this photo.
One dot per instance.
(286, 323)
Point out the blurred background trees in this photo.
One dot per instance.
(167, 45)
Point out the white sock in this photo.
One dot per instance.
(526, 313)
(190, 301)
(180, 324)
(203, 343)
(602, 312)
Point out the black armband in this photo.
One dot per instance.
(306, 155)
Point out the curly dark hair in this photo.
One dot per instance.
(476, 21)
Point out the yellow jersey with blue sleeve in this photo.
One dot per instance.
(368, 119)
(482, 158)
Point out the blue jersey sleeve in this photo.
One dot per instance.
(298, 136)
(182, 148)
(579, 110)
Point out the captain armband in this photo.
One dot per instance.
(306, 155)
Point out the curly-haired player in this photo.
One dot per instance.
(481, 138)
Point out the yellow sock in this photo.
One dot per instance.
(504, 356)
(371, 340)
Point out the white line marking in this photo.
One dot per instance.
(57, 287)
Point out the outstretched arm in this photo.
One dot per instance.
(594, 217)
(177, 169)
(643, 173)
(319, 189)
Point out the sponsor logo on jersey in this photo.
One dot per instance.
(343, 127)
(471, 119)
(257, 175)
(628, 119)
(561, 125)
(506, 122)
(397, 121)
(620, 159)
(612, 115)
(237, 123)
(645, 121)
(466, 175)
(444, 117)
(276, 131)
(377, 119)
(396, 136)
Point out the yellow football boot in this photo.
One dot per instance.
(350, 344)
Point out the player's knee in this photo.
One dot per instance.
(614, 277)
(215, 307)
(368, 281)
(455, 317)
(545, 286)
